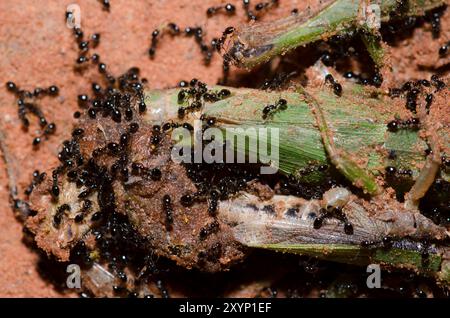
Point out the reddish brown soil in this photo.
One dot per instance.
(37, 48)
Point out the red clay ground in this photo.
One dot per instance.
(37, 48)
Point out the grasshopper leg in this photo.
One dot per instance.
(342, 160)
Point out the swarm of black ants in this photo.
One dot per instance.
(120, 245)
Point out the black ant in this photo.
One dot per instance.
(266, 5)
(445, 161)
(312, 168)
(196, 95)
(395, 124)
(182, 94)
(229, 9)
(213, 202)
(84, 56)
(183, 84)
(429, 101)
(368, 244)
(411, 99)
(223, 93)
(77, 114)
(37, 179)
(390, 170)
(277, 81)
(220, 42)
(95, 39)
(214, 97)
(209, 229)
(57, 218)
(281, 104)
(83, 99)
(106, 5)
(443, 50)
(198, 35)
(168, 126)
(434, 17)
(214, 252)
(155, 138)
(337, 88)
(412, 90)
(405, 172)
(327, 58)
(292, 185)
(248, 13)
(187, 200)
(436, 82)
(394, 92)
(164, 292)
(167, 208)
(350, 74)
(25, 107)
(333, 212)
(174, 30)
(48, 130)
(225, 70)
(386, 242)
(377, 80)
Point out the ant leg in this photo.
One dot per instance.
(343, 162)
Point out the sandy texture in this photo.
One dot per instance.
(37, 49)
